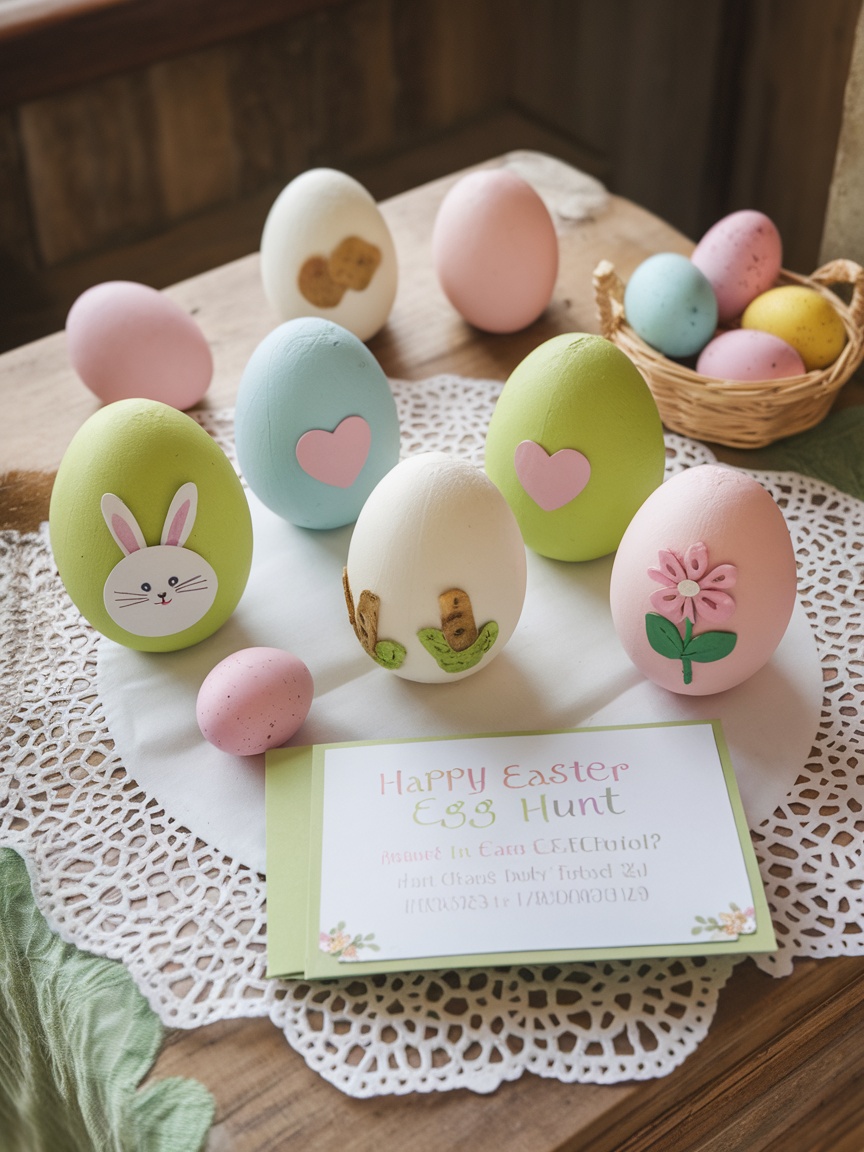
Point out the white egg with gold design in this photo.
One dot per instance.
(326, 251)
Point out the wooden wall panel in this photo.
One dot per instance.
(193, 138)
(453, 60)
(795, 64)
(271, 83)
(631, 81)
(352, 81)
(91, 167)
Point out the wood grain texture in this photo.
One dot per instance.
(91, 166)
(193, 133)
(69, 45)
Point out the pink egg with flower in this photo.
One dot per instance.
(704, 581)
(253, 700)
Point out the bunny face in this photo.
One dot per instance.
(162, 589)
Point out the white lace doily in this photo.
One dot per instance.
(116, 874)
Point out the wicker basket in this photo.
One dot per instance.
(740, 414)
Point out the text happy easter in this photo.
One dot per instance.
(596, 783)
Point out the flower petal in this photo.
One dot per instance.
(696, 561)
(662, 578)
(723, 576)
(714, 606)
(672, 565)
(668, 603)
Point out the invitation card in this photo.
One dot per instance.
(589, 844)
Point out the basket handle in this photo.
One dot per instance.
(608, 297)
(845, 272)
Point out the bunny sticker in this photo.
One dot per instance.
(162, 589)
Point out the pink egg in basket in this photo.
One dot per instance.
(253, 700)
(126, 340)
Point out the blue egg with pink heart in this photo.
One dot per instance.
(315, 423)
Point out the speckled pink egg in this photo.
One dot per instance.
(740, 256)
(127, 340)
(253, 700)
(704, 581)
(749, 354)
(495, 250)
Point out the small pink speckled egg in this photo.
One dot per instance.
(704, 581)
(740, 256)
(253, 700)
(749, 354)
(495, 250)
(127, 340)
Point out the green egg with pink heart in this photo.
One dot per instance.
(575, 445)
(315, 423)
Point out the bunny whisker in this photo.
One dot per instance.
(189, 580)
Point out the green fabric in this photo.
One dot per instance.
(833, 451)
(76, 1039)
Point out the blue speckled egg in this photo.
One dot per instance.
(671, 305)
(315, 423)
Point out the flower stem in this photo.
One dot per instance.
(686, 663)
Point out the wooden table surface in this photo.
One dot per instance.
(783, 1064)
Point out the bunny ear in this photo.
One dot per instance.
(122, 524)
(181, 516)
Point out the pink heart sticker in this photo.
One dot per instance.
(336, 457)
(551, 481)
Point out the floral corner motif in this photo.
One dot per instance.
(342, 945)
(727, 925)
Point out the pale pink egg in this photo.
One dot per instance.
(253, 700)
(495, 250)
(749, 354)
(127, 340)
(704, 581)
(740, 256)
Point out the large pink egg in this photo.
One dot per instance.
(703, 584)
(495, 250)
(253, 700)
(749, 354)
(127, 340)
(740, 256)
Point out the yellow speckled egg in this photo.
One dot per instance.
(803, 318)
(704, 581)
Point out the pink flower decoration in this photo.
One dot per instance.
(690, 591)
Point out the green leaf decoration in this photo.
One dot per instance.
(77, 1040)
(710, 646)
(389, 653)
(663, 636)
(435, 643)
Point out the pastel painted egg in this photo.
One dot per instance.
(315, 423)
(749, 354)
(741, 256)
(326, 251)
(703, 584)
(575, 444)
(128, 340)
(670, 304)
(150, 527)
(253, 700)
(803, 318)
(435, 577)
(495, 250)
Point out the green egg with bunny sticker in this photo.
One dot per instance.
(150, 527)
